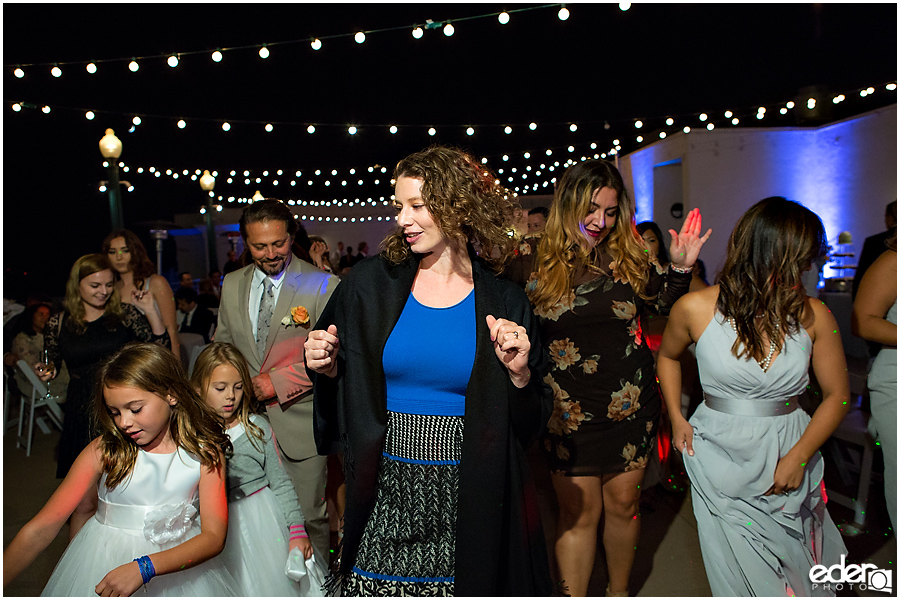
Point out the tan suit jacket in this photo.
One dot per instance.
(304, 285)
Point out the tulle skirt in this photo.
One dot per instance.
(100, 548)
(256, 549)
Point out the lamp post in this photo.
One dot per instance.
(207, 183)
(111, 149)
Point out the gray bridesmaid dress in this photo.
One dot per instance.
(752, 544)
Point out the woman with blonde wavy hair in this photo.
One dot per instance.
(752, 457)
(92, 327)
(428, 371)
(590, 279)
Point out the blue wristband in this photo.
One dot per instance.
(145, 565)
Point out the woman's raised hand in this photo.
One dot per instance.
(511, 344)
(142, 299)
(321, 349)
(685, 246)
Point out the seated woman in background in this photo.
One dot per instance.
(752, 457)
(128, 257)
(28, 345)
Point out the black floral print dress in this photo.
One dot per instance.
(606, 401)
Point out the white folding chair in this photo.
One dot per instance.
(40, 398)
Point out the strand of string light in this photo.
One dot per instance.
(685, 120)
(316, 43)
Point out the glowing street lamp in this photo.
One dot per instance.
(111, 149)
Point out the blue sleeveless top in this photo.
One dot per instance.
(428, 358)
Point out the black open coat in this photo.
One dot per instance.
(500, 549)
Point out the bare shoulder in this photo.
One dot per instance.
(817, 318)
(158, 284)
(702, 302)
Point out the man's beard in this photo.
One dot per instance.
(272, 268)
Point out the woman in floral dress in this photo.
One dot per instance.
(590, 279)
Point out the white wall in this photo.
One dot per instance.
(846, 172)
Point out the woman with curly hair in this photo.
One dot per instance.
(591, 278)
(128, 257)
(428, 370)
(752, 457)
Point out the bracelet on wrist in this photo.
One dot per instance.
(145, 565)
(681, 270)
(298, 532)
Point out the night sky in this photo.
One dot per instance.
(600, 67)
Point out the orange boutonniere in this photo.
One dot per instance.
(299, 317)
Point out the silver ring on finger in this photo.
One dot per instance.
(516, 333)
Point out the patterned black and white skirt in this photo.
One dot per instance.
(408, 546)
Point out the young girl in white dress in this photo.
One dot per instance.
(265, 521)
(160, 455)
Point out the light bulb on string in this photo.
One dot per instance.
(172, 61)
(17, 107)
(310, 129)
(316, 44)
(46, 110)
(470, 131)
(360, 37)
(136, 120)
(269, 127)
(264, 52)
(507, 130)
(217, 56)
(56, 71)
(418, 32)
(432, 131)
(89, 115)
(351, 130)
(670, 121)
(563, 13)
(393, 129)
(133, 66)
(449, 29)
(623, 6)
(20, 73)
(503, 18)
(181, 124)
(638, 124)
(532, 126)
(573, 127)
(703, 116)
(226, 126)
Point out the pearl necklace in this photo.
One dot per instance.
(764, 364)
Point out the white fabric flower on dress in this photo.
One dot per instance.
(169, 522)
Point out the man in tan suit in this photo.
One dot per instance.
(280, 294)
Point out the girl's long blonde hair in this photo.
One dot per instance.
(760, 286)
(564, 250)
(215, 355)
(74, 303)
(194, 426)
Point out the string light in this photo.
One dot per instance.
(19, 73)
(264, 52)
(91, 68)
(360, 37)
(563, 13)
(503, 18)
(172, 61)
(449, 30)
(217, 56)
(133, 66)
(56, 72)
(418, 32)
(316, 44)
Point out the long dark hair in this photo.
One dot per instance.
(663, 255)
(760, 286)
(141, 266)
